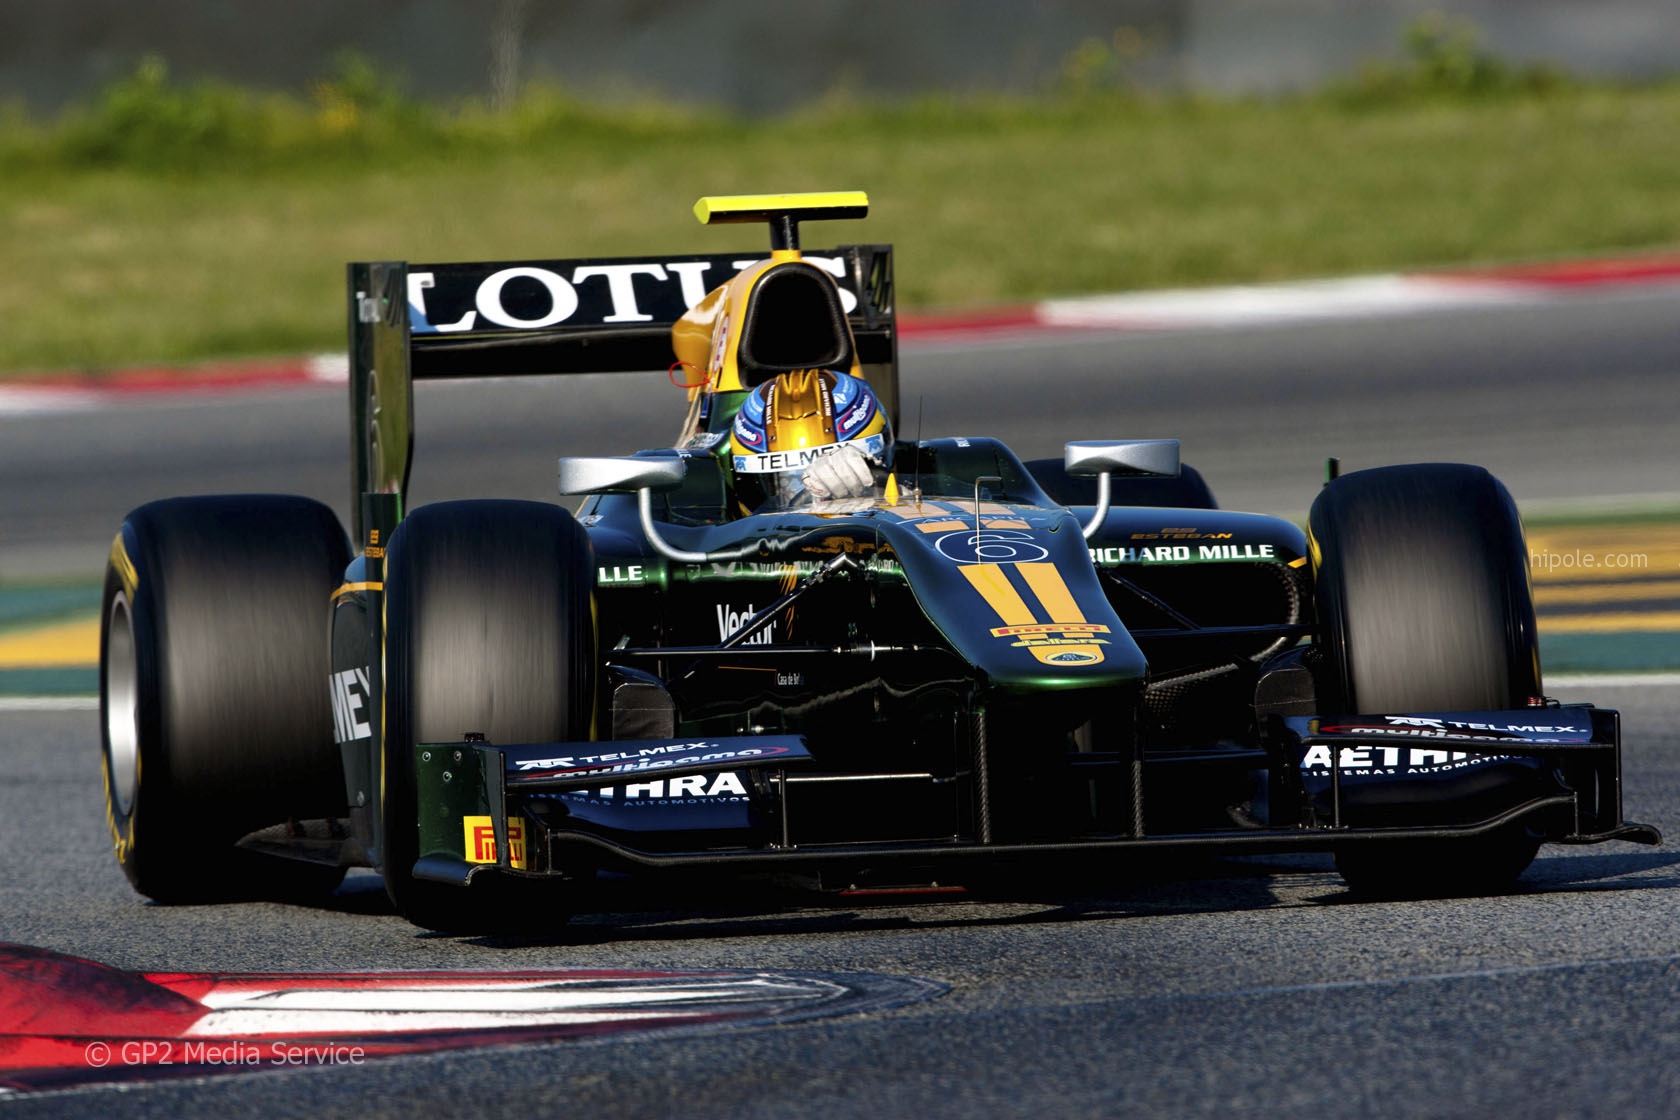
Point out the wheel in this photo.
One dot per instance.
(1439, 868)
(1423, 600)
(1186, 491)
(216, 719)
(488, 628)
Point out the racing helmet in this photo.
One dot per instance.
(791, 421)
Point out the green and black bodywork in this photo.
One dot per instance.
(967, 680)
(992, 664)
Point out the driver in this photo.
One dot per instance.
(808, 436)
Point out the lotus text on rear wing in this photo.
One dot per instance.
(534, 297)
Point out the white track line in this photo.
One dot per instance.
(29, 400)
(1270, 304)
(1612, 680)
(49, 703)
(329, 366)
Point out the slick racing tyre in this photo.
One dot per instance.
(1424, 606)
(488, 628)
(216, 719)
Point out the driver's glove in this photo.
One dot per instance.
(844, 474)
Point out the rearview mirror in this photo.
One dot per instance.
(621, 475)
(1092, 457)
(1103, 458)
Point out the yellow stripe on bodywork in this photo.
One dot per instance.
(944, 526)
(1047, 583)
(995, 588)
(968, 510)
(909, 511)
(353, 588)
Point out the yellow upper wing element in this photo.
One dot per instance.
(810, 207)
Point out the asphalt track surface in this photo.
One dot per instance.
(1573, 399)
(1249, 987)
(1215, 988)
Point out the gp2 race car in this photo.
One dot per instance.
(980, 665)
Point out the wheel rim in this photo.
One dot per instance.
(122, 730)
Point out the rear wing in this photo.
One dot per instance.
(501, 319)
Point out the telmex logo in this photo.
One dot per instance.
(350, 691)
(774, 462)
(491, 297)
(617, 756)
(1443, 725)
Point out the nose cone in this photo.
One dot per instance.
(1014, 592)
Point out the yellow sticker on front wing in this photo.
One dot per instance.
(478, 841)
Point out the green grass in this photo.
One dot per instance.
(176, 226)
(1661, 511)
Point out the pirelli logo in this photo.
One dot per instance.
(478, 841)
(1049, 628)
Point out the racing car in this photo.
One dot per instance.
(796, 646)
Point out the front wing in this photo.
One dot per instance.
(732, 804)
